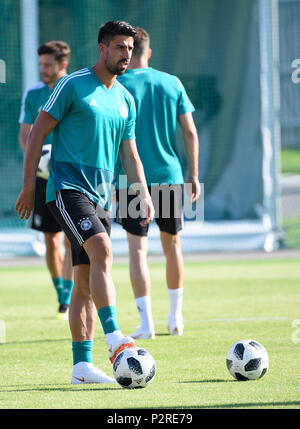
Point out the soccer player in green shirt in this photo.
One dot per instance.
(161, 102)
(93, 119)
(53, 62)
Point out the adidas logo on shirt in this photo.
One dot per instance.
(94, 103)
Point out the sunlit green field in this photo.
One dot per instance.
(290, 161)
(223, 303)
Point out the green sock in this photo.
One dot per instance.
(82, 351)
(65, 296)
(58, 284)
(108, 319)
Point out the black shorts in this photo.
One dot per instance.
(42, 219)
(167, 202)
(77, 216)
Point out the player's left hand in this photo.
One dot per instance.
(193, 188)
(25, 201)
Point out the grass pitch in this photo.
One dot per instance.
(290, 161)
(223, 303)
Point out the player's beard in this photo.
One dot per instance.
(49, 79)
(115, 68)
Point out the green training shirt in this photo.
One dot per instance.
(92, 122)
(33, 100)
(160, 98)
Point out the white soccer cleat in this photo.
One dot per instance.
(141, 334)
(175, 327)
(118, 345)
(85, 372)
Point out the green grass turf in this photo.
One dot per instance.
(290, 161)
(291, 228)
(223, 303)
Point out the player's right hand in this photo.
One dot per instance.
(24, 204)
(193, 188)
(147, 211)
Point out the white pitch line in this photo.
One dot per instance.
(238, 319)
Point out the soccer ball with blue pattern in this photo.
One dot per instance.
(247, 360)
(134, 368)
(44, 164)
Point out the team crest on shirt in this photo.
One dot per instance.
(85, 224)
(123, 110)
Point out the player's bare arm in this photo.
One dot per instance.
(191, 143)
(135, 174)
(43, 125)
(23, 135)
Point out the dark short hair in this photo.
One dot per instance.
(59, 49)
(115, 28)
(141, 42)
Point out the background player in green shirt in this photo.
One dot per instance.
(93, 118)
(161, 102)
(53, 62)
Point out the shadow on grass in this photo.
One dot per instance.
(208, 381)
(12, 343)
(57, 388)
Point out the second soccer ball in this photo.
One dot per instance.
(44, 164)
(247, 360)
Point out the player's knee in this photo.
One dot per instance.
(170, 242)
(104, 256)
(52, 242)
(137, 244)
(100, 253)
